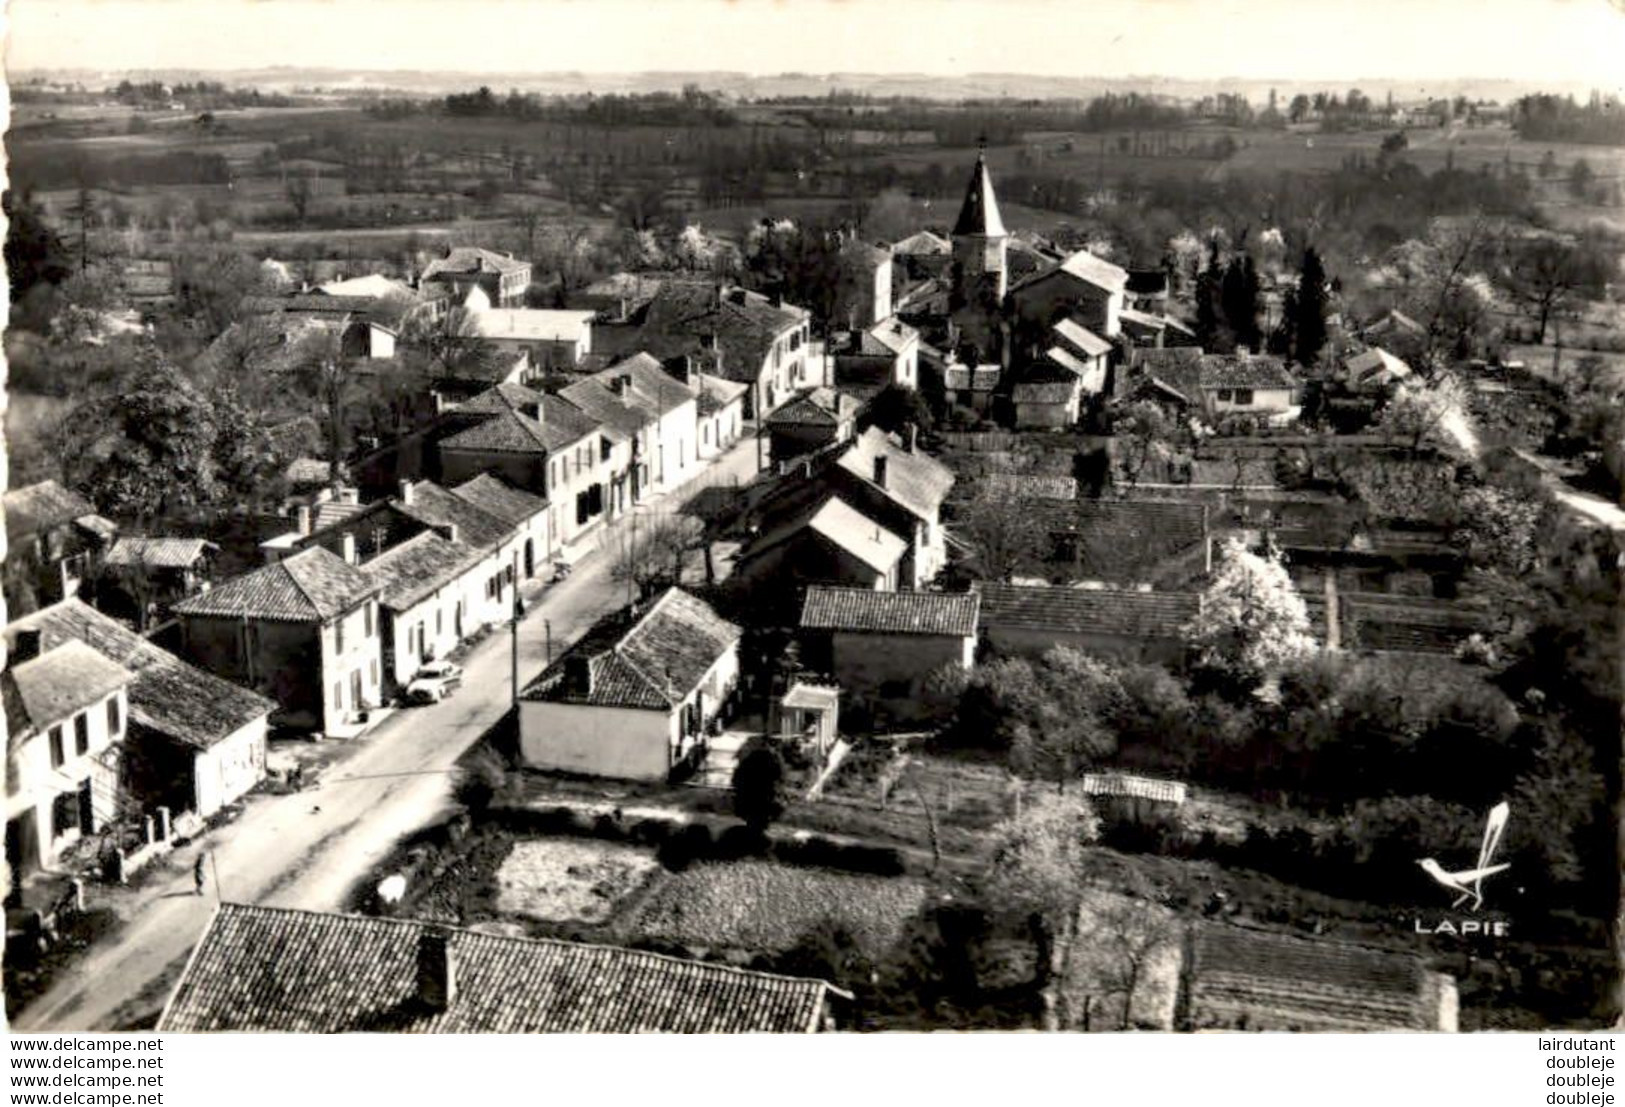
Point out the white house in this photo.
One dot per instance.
(430, 585)
(720, 413)
(655, 411)
(551, 339)
(633, 698)
(65, 706)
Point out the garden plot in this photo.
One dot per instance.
(765, 907)
(559, 880)
(1125, 951)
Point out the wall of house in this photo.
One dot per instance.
(362, 652)
(525, 471)
(1040, 303)
(888, 671)
(227, 770)
(279, 660)
(1045, 415)
(678, 453)
(1263, 399)
(33, 783)
(720, 429)
(792, 440)
(622, 743)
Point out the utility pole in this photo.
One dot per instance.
(547, 629)
(513, 640)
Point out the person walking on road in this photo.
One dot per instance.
(197, 873)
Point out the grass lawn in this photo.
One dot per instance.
(764, 907)
(565, 880)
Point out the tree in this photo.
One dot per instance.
(1547, 166)
(35, 255)
(330, 377)
(451, 345)
(653, 555)
(1545, 275)
(1394, 143)
(1252, 619)
(1311, 305)
(1581, 177)
(1212, 333)
(1125, 937)
(759, 787)
(300, 192)
(1436, 413)
(1037, 871)
(1068, 729)
(1239, 293)
(1005, 535)
(1143, 433)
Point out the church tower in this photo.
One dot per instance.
(980, 243)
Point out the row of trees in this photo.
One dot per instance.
(1547, 118)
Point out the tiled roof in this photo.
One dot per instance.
(418, 567)
(66, 678)
(846, 527)
(310, 303)
(821, 407)
(308, 470)
(434, 506)
(562, 425)
(273, 969)
(1090, 269)
(1375, 366)
(496, 497)
(1122, 612)
(1125, 540)
(647, 657)
(157, 553)
(373, 285)
(468, 260)
(861, 609)
(168, 695)
(893, 336)
(744, 324)
(1040, 486)
(1133, 787)
(311, 586)
(1244, 371)
(1268, 981)
(500, 399)
(917, 482)
(42, 506)
(979, 213)
(532, 324)
(982, 378)
(923, 243)
(629, 405)
(1081, 338)
(717, 393)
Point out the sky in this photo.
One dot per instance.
(1531, 40)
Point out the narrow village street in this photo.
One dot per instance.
(309, 848)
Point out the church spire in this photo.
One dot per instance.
(979, 214)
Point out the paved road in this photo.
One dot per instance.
(309, 849)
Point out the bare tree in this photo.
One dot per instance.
(1126, 936)
(452, 345)
(1004, 534)
(656, 552)
(300, 192)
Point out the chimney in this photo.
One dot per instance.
(778, 299)
(623, 387)
(347, 547)
(25, 646)
(405, 493)
(880, 470)
(912, 439)
(532, 410)
(449, 532)
(301, 517)
(437, 973)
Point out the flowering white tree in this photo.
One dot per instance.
(1436, 412)
(1252, 619)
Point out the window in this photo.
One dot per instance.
(372, 671)
(368, 618)
(439, 621)
(705, 435)
(1224, 395)
(115, 718)
(1244, 396)
(338, 635)
(81, 733)
(58, 756)
(338, 695)
(604, 448)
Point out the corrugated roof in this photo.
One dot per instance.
(417, 568)
(643, 657)
(496, 497)
(65, 679)
(1134, 787)
(914, 480)
(861, 609)
(1113, 611)
(274, 969)
(313, 585)
(42, 506)
(157, 553)
(169, 696)
(1269, 981)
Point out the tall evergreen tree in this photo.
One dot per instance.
(1240, 294)
(1309, 316)
(1212, 333)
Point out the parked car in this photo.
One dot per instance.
(434, 682)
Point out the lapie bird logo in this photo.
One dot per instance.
(1468, 883)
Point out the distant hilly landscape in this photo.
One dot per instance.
(749, 86)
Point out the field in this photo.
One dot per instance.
(761, 906)
(569, 881)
